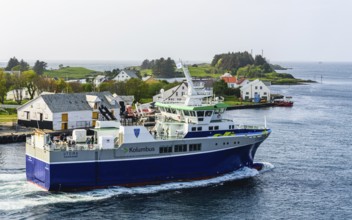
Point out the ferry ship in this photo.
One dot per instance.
(189, 141)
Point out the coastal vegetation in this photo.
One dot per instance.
(19, 74)
(71, 73)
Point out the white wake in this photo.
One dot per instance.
(16, 193)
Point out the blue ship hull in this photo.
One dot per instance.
(100, 174)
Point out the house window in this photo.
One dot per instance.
(194, 128)
(247, 93)
(256, 87)
(199, 128)
(27, 115)
(176, 93)
(64, 117)
(261, 87)
(264, 93)
(216, 127)
(211, 128)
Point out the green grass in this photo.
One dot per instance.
(204, 70)
(148, 72)
(232, 100)
(10, 102)
(71, 73)
(8, 116)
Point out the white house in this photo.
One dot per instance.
(124, 75)
(99, 79)
(67, 111)
(177, 93)
(254, 89)
(232, 81)
(12, 95)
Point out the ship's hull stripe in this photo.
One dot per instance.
(140, 158)
(129, 172)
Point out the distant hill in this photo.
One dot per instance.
(71, 73)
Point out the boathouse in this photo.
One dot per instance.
(68, 111)
(255, 90)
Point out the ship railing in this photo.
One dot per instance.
(66, 146)
(250, 127)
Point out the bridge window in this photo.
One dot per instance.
(208, 113)
(200, 113)
(167, 149)
(180, 148)
(195, 147)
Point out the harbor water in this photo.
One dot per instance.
(307, 175)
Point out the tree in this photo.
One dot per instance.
(164, 68)
(87, 87)
(18, 84)
(259, 60)
(220, 87)
(61, 86)
(75, 87)
(107, 86)
(45, 84)
(24, 66)
(145, 64)
(232, 60)
(29, 78)
(3, 89)
(137, 88)
(39, 67)
(12, 63)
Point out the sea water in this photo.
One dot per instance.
(310, 148)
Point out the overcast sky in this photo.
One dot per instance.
(287, 30)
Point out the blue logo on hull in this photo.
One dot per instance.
(136, 132)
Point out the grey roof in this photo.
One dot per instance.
(74, 101)
(131, 73)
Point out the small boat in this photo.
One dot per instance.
(284, 102)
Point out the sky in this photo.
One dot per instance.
(289, 30)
